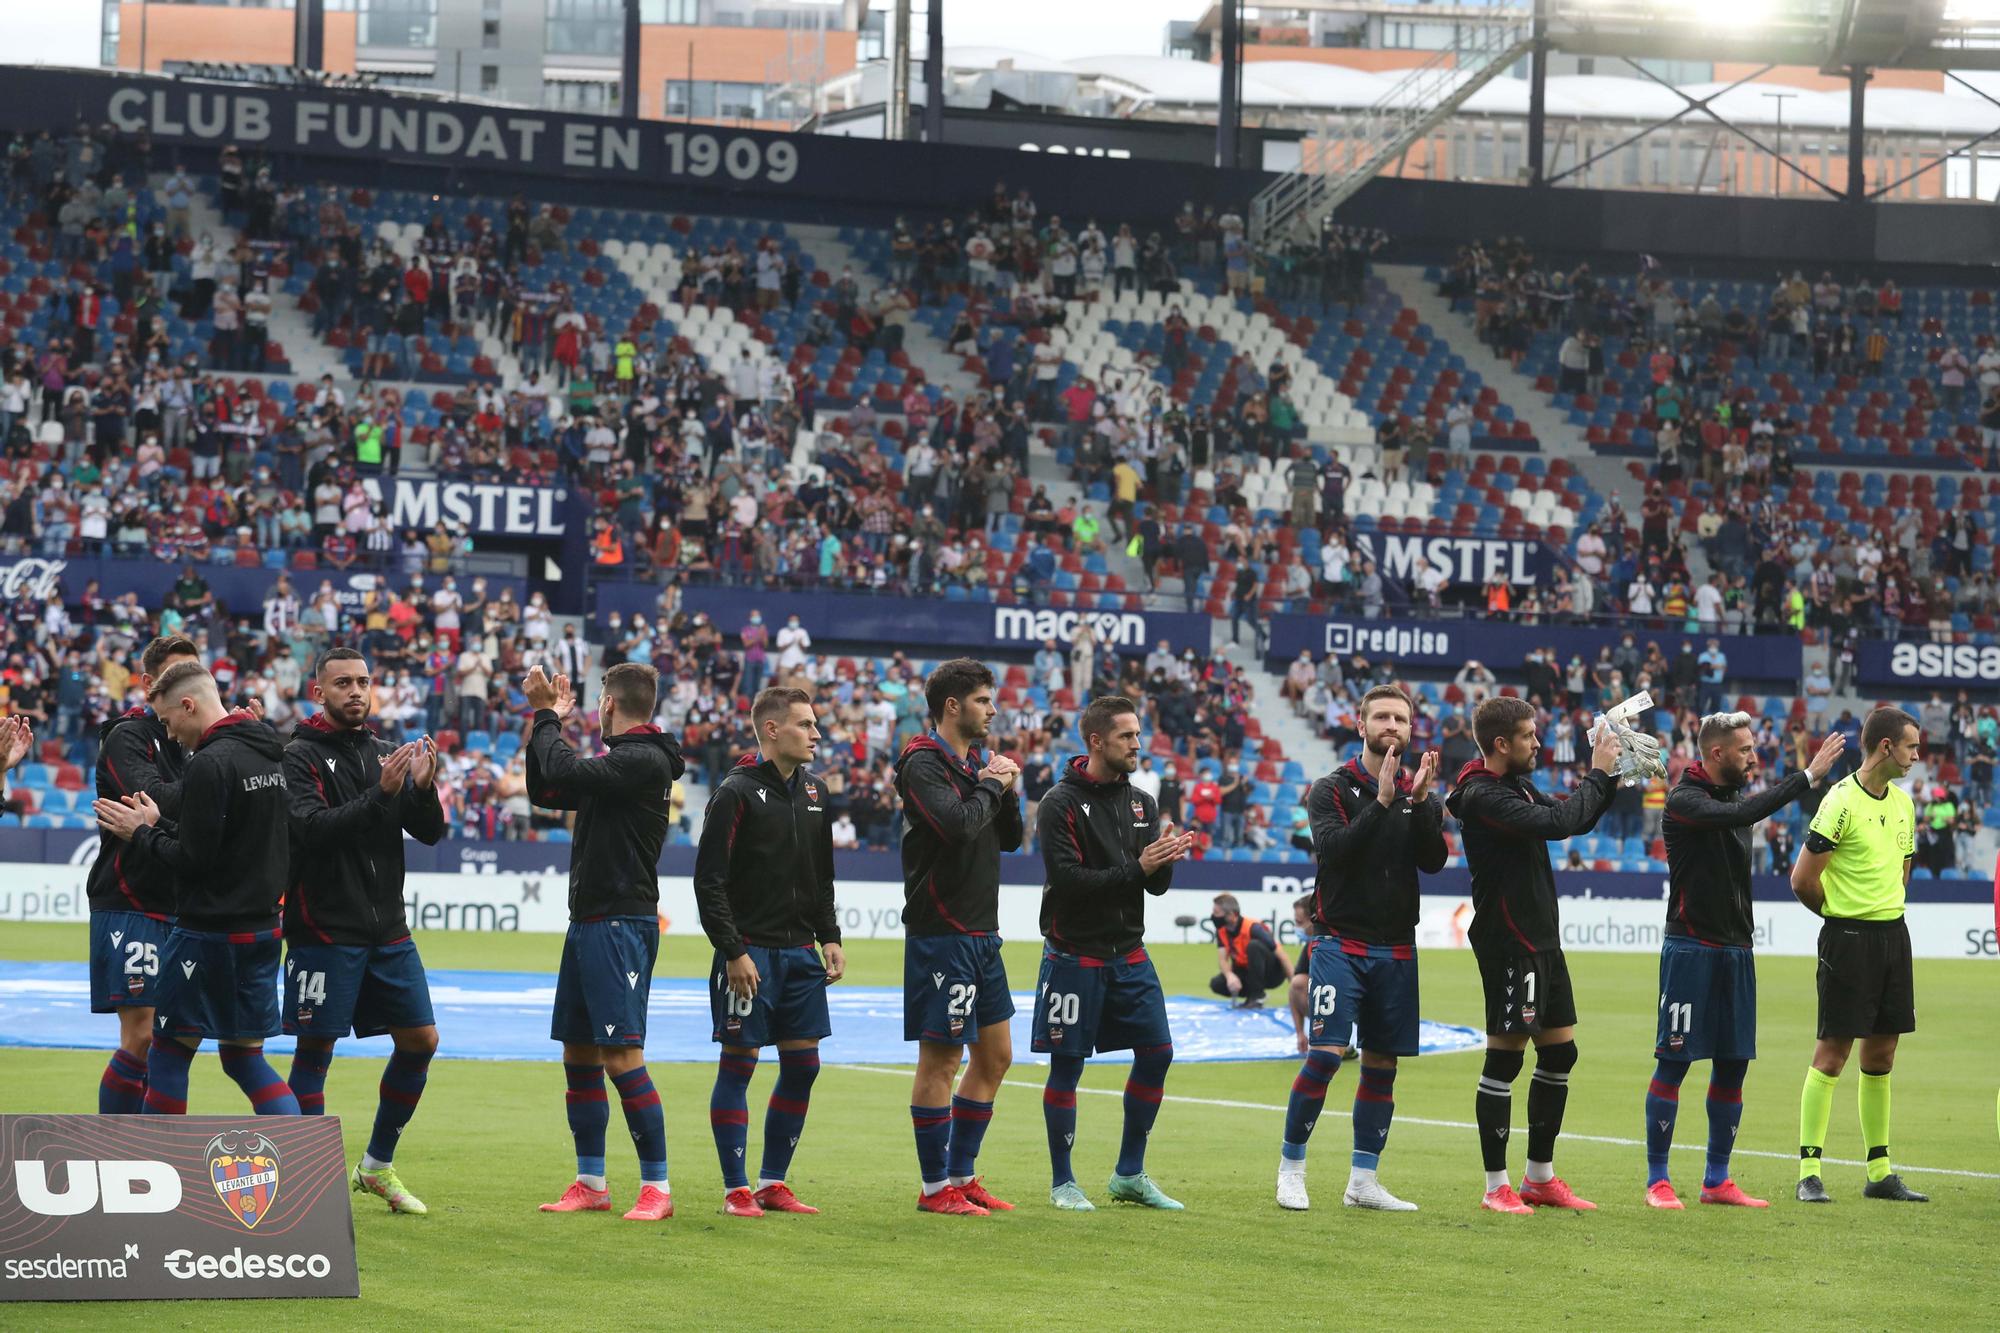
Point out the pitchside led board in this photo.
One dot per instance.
(118, 1208)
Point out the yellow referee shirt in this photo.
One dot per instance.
(1870, 837)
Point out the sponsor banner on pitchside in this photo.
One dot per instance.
(1960, 927)
(108, 1208)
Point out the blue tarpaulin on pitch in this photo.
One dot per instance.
(505, 1016)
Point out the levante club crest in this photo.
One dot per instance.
(243, 1167)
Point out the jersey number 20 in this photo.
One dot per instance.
(1064, 1008)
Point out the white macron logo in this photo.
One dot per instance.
(117, 938)
(763, 795)
(632, 980)
(187, 968)
(329, 763)
(937, 979)
(1086, 810)
(607, 1028)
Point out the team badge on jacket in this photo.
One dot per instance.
(1139, 812)
(243, 1167)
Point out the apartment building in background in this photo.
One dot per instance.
(744, 62)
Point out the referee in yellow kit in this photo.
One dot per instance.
(1853, 870)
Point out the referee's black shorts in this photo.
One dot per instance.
(1867, 986)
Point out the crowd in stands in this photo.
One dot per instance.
(1952, 784)
(1725, 472)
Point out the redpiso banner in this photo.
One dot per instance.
(112, 1208)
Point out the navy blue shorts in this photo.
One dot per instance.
(606, 977)
(218, 985)
(334, 989)
(1708, 1002)
(1366, 992)
(1086, 1005)
(953, 985)
(125, 949)
(790, 1003)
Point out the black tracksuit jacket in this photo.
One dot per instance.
(135, 754)
(620, 799)
(347, 836)
(1091, 834)
(763, 873)
(229, 850)
(1504, 822)
(954, 829)
(1366, 888)
(1708, 831)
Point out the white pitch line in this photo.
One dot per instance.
(1454, 1124)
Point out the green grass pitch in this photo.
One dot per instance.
(490, 1142)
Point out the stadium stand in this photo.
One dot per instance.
(740, 412)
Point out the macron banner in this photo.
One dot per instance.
(1453, 642)
(120, 1208)
(916, 623)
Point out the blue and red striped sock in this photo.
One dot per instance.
(167, 1065)
(729, 1117)
(1059, 1114)
(785, 1117)
(1725, 1113)
(310, 1064)
(647, 1120)
(1308, 1099)
(933, 1126)
(968, 1130)
(1663, 1106)
(402, 1087)
(1374, 1108)
(589, 1113)
(268, 1094)
(122, 1089)
(1143, 1090)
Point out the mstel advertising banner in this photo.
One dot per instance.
(1453, 642)
(493, 890)
(105, 1208)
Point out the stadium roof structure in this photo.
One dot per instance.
(1163, 85)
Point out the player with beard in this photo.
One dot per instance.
(1374, 828)
(1708, 976)
(960, 811)
(350, 964)
(1516, 935)
(1103, 851)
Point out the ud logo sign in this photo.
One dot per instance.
(105, 1208)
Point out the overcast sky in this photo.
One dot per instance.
(51, 32)
(67, 32)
